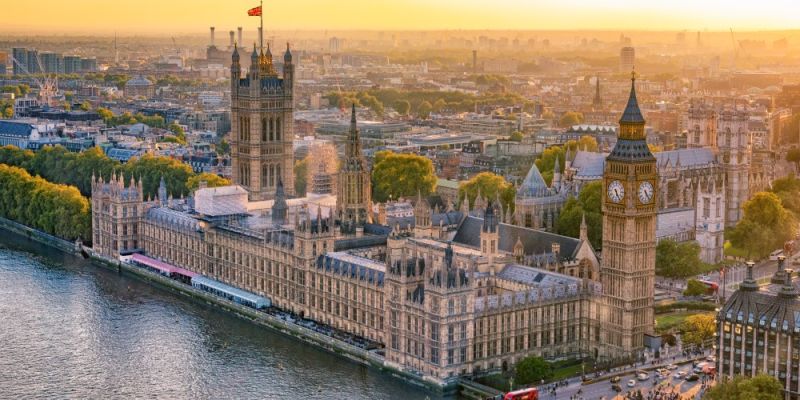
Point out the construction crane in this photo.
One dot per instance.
(735, 50)
(48, 88)
(175, 44)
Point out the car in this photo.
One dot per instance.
(680, 375)
(631, 383)
(672, 366)
(642, 376)
(663, 372)
(615, 379)
(711, 358)
(617, 388)
(692, 377)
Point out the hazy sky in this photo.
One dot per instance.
(194, 16)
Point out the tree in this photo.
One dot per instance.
(177, 130)
(766, 225)
(223, 147)
(59, 210)
(677, 260)
(86, 106)
(695, 288)
(587, 205)
(570, 118)
(532, 370)
(424, 110)
(788, 190)
(401, 175)
(516, 136)
(211, 180)
(439, 105)
(151, 168)
(490, 186)
(402, 107)
(699, 328)
(793, 156)
(301, 176)
(759, 387)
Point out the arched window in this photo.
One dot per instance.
(264, 175)
(263, 129)
(271, 129)
(278, 128)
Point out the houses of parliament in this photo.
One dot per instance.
(459, 293)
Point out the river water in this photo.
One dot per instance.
(69, 329)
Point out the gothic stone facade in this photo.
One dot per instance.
(261, 125)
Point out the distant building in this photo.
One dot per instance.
(627, 59)
(17, 133)
(139, 86)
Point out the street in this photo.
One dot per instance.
(602, 390)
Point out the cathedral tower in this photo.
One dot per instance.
(354, 188)
(627, 270)
(261, 125)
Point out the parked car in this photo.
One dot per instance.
(631, 383)
(642, 376)
(680, 375)
(692, 377)
(615, 379)
(672, 366)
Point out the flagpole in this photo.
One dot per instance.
(261, 15)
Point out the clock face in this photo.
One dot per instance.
(616, 192)
(645, 192)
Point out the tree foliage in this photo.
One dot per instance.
(587, 204)
(570, 118)
(58, 165)
(401, 175)
(516, 136)
(766, 225)
(211, 180)
(59, 210)
(402, 107)
(678, 260)
(699, 328)
(793, 156)
(788, 190)
(695, 288)
(301, 176)
(490, 186)
(532, 370)
(759, 387)
(424, 110)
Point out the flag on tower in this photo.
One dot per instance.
(254, 12)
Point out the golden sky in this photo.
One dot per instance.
(194, 16)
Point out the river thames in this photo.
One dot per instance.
(70, 329)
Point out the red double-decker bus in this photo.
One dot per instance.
(522, 394)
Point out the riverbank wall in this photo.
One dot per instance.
(288, 328)
(39, 236)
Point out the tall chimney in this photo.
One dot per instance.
(231, 44)
(241, 43)
(212, 36)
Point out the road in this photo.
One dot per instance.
(602, 390)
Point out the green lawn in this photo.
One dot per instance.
(666, 322)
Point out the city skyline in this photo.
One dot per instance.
(182, 17)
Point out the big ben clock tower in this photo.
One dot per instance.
(627, 269)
